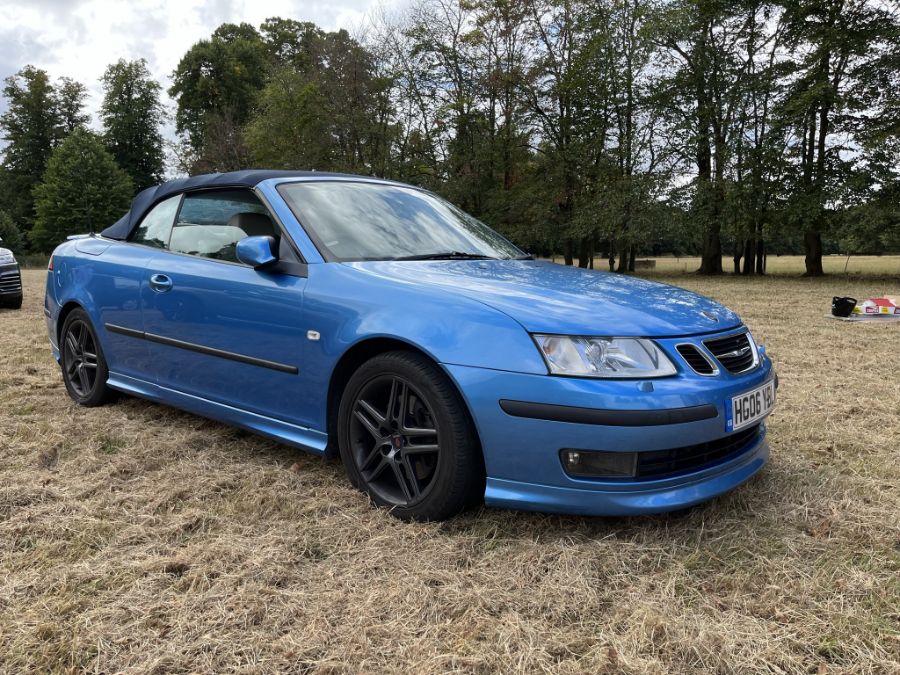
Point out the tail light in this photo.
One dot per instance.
(50, 264)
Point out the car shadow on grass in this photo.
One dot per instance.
(764, 497)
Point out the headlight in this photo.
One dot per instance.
(603, 357)
(6, 256)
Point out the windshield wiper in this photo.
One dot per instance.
(447, 255)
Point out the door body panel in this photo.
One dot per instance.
(227, 333)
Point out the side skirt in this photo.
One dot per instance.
(291, 434)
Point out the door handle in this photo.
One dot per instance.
(160, 283)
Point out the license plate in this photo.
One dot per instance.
(749, 407)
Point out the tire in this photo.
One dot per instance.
(424, 463)
(15, 303)
(83, 365)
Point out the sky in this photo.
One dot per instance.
(79, 38)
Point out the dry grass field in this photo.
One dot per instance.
(137, 538)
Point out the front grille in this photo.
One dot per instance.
(10, 282)
(662, 463)
(695, 359)
(735, 352)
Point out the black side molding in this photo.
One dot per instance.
(202, 349)
(610, 418)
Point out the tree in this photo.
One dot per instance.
(291, 43)
(409, 109)
(83, 190)
(323, 108)
(132, 114)
(758, 164)
(626, 185)
(445, 63)
(843, 48)
(219, 78)
(501, 148)
(556, 87)
(628, 126)
(37, 118)
(699, 39)
(69, 102)
(290, 128)
(10, 236)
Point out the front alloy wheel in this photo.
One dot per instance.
(406, 438)
(83, 366)
(395, 443)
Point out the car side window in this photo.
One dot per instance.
(210, 224)
(156, 226)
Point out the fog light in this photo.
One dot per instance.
(596, 464)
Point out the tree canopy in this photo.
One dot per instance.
(38, 117)
(83, 190)
(132, 115)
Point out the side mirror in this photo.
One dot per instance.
(256, 251)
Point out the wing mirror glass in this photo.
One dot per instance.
(256, 251)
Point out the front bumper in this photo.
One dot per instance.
(522, 457)
(646, 497)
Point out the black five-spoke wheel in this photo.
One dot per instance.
(84, 368)
(406, 439)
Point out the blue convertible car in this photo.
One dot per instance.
(366, 318)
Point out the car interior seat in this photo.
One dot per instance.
(253, 224)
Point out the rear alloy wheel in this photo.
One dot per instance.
(83, 366)
(406, 440)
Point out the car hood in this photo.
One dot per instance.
(551, 298)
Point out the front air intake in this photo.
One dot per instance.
(658, 464)
(696, 360)
(10, 282)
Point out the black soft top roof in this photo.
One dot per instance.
(148, 198)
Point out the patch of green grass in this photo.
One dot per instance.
(110, 445)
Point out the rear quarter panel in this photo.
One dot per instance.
(105, 278)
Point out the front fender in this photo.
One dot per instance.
(351, 306)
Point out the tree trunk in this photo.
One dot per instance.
(623, 258)
(593, 246)
(812, 243)
(584, 252)
(738, 254)
(749, 258)
(567, 252)
(711, 262)
(631, 257)
(760, 249)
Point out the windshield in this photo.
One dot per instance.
(371, 221)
